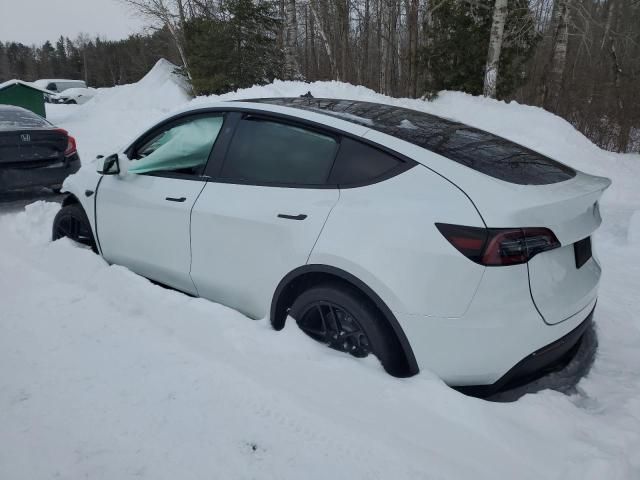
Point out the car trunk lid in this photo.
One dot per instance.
(562, 281)
(31, 147)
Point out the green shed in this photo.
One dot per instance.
(23, 94)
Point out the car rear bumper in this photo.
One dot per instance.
(500, 328)
(538, 363)
(50, 175)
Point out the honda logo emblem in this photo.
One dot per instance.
(25, 137)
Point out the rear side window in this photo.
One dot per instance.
(268, 152)
(359, 163)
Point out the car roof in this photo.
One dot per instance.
(472, 147)
(72, 90)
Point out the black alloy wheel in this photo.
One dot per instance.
(72, 222)
(340, 316)
(334, 326)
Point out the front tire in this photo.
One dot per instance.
(342, 318)
(72, 222)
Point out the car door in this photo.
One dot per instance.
(142, 214)
(262, 212)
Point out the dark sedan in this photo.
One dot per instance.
(33, 152)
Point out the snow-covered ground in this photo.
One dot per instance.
(104, 375)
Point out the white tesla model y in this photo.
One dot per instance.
(380, 230)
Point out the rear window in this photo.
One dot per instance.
(482, 151)
(15, 118)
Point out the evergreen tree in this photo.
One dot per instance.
(235, 49)
(457, 42)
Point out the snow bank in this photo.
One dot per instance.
(105, 375)
(117, 115)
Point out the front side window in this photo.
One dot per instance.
(269, 152)
(183, 148)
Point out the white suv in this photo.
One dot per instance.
(380, 230)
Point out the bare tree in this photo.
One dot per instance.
(325, 40)
(292, 69)
(413, 27)
(495, 47)
(164, 12)
(552, 81)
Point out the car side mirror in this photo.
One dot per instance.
(110, 165)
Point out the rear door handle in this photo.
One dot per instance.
(301, 216)
(173, 199)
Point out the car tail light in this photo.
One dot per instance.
(499, 246)
(71, 143)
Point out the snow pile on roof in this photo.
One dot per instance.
(8, 83)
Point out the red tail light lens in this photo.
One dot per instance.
(71, 143)
(71, 146)
(499, 246)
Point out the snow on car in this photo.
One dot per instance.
(73, 96)
(106, 375)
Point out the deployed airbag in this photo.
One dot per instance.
(181, 147)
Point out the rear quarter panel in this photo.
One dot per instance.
(385, 235)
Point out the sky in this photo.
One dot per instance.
(36, 21)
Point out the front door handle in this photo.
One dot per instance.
(173, 199)
(301, 216)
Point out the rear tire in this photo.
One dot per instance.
(342, 318)
(72, 222)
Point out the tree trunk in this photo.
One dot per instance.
(610, 8)
(383, 38)
(364, 68)
(412, 73)
(342, 10)
(292, 69)
(552, 83)
(180, 47)
(84, 65)
(325, 41)
(495, 47)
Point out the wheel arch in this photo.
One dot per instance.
(70, 199)
(87, 203)
(301, 278)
